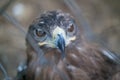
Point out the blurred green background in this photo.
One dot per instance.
(102, 15)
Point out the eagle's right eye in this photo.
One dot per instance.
(40, 33)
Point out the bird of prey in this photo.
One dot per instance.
(67, 55)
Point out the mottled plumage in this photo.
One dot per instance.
(79, 61)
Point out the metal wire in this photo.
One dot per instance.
(73, 6)
(17, 25)
(87, 29)
(5, 6)
(88, 33)
(4, 72)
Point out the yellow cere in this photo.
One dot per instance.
(42, 43)
(48, 43)
(68, 40)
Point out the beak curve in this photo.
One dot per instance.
(60, 43)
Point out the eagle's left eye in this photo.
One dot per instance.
(70, 28)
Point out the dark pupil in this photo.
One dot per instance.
(71, 28)
(40, 33)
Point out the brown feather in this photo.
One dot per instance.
(83, 61)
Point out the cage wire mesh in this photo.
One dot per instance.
(98, 19)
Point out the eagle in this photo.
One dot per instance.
(67, 55)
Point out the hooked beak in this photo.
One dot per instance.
(58, 40)
(60, 43)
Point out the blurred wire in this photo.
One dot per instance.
(5, 6)
(14, 22)
(35, 46)
(87, 30)
(88, 33)
(4, 72)
(73, 6)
